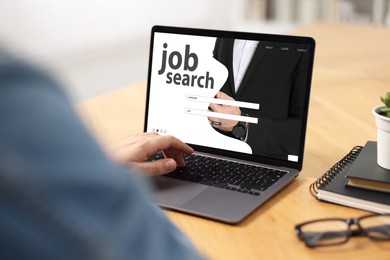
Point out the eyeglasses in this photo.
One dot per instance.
(335, 231)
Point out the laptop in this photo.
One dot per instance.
(241, 100)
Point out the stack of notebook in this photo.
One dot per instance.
(356, 181)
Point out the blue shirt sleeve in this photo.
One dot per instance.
(60, 197)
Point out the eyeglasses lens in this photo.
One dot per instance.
(376, 227)
(325, 232)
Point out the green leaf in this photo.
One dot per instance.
(386, 99)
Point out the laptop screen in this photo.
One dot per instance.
(231, 93)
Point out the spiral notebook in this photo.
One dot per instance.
(332, 187)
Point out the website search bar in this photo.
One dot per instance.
(223, 102)
(208, 113)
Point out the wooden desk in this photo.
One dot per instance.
(352, 69)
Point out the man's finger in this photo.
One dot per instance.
(210, 118)
(215, 107)
(165, 142)
(177, 156)
(154, 168)
(223, 95)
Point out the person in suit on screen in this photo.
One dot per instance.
(273, 75)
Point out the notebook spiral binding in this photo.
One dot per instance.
(341, 165)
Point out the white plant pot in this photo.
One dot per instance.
(383, 139)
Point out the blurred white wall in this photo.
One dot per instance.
(97, 45)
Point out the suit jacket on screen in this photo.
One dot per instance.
(275, 79)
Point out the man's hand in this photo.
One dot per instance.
(220, 123)
(134, 150)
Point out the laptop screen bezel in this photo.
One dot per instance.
(248, 36)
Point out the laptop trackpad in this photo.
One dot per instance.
(173, 192)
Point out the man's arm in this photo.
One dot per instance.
(61, 198)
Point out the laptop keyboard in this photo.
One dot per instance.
(225, 174)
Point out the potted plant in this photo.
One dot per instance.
(382, 120)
